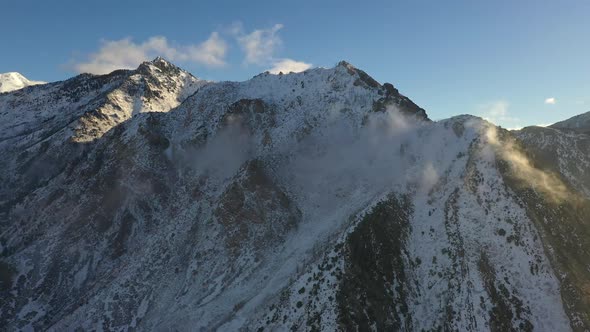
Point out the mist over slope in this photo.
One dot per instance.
(320, 200)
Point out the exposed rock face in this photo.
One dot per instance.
(254, 211)
(374, 252)
(322, 200)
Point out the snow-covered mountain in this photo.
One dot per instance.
(321, 200)
(15, 81)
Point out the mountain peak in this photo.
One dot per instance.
(162, 62)
(13, 74)
(352, 70)
(160, 59)
(159, 64)
(345, 64)
(14, 81)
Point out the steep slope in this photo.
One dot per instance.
(15, 81)
(320, 200)
(561, 214)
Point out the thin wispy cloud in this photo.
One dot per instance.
(550, 101)
(259, 45)
(497, 112)
(289, 65)
(127, 54)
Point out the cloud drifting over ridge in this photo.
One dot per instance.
(289, 65)
(259, 47)
(497, 113)
(126, 54)
(524, 169)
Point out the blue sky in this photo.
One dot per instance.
(503, 60)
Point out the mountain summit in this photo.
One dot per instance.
(15, 81)
(148, 199)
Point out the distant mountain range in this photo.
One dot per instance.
(149, 199)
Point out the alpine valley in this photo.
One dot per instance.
(152, 200)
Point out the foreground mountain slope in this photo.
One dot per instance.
(15, 81)
(321, 200)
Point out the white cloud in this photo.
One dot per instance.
(550, 101)
(126, 54)
(211, 52)
(259, 45)
(497, 113)
(289, 65)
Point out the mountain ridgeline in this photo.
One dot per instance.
(150, 199)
